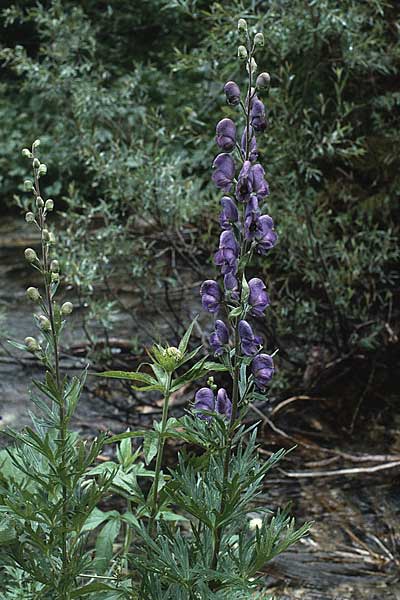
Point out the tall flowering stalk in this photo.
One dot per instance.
(246, 231)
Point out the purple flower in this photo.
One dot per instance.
(251, 219)
(219, 338)
(223, 404)
(231, 285)
(226, 256)
(244, 185)
(210, 295)
(260, 185)
(257, 115)
(226, 135)
(263, 370)
(266, 236)
(229, 213)
(258, 297)
(224, 171)
(253, 152)
(204, 400)
(232, 93)
(250, 343)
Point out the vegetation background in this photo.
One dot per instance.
(124, 97)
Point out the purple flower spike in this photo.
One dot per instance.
(263, 370)
(251, 219)
(260, 185)
(226, 257)
(258, 297)
(245, 182)
(266, 236)
(204, 400)
(250, 343)
(257, 115)
(231, 285)
(219, 338)
(224, 171)
(226, 135)
(223, 404)
(232, 93)
(210, 295)
(229, 213)
(253, 154)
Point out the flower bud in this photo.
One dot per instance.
(253, 66)
(259, 40)
(31, 255)
(46, 235)
(242, 26)
(28, 185)
(55, 278)
(67, 309)
(263, 80)
(39, 202)
(26, 153)
(54, 266)
(52, 239)
(49, 205)
(29, 217)
(42, 169)
(44, 323)
(33, 294)
(36, 163)
(35, 144)
(211, 384)
(242, 53)
(31, 344)
(232, 93)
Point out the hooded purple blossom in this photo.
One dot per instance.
(260, 185)
(231, 286)
(257, 115)
(223, 404)
(229, 213)
(210, 295)
(263, 370)
(224, 171)
(253, 152)
(258, 297)
(219, 338)
(266, 236)
(226, 256)
(204, 400)
(250, 343)
(251, 180)
(226, 135)
(232, 93)
(251, 219)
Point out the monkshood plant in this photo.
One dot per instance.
(47, 498)
(215, 553)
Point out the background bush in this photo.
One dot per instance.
(125, 95)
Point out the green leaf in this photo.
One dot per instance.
(90, 588)
(104, 544)
(97, 517)
(235, 312)
(130, 375)
(7, 532)
(185, 340)
(150, 446)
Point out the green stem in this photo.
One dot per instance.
(160, 452)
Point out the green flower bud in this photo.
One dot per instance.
(44, 323)
(67, 309)
(29, 217)
(33, 294)
(259, 40)
(28, 185)
(36, 163)
(49, 205)
(55, 278)
(26, 153)
(31, 344)
(168, 358)
(211, 384)
(42, 169)
(263, 80)
(242, 53)
(46, 235)
(54, 266)
(52, 239)
(31, 255)
(242, 25)
(35, 144)
(253, 66)
(39, 202)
